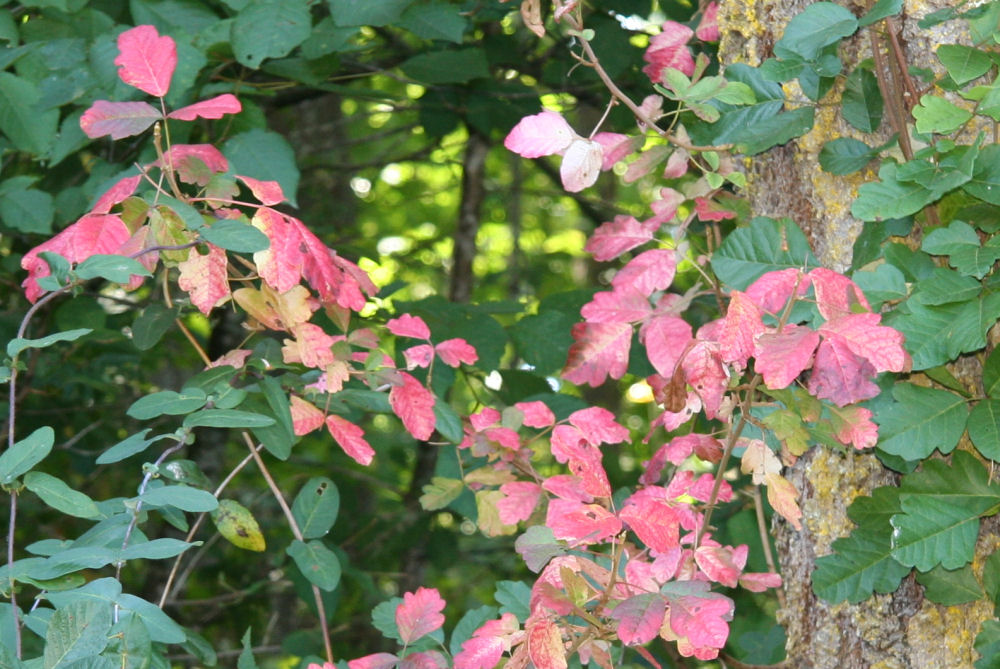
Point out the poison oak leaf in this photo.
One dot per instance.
(758, 460)
(651, 514)
(414, 405)
(703, 621)
(267, 192)
(705, 373)
(212, 108)
(567, 486)
(666, 339)
(137, 247)
(591, 472)
(701, 489)
(710, 210)
(740, 329)
(717, 563)
(419, 614)
(581, 165)
(350, 438)
(616, 147)
(374, 661)
(455, 352)
(146, 60)
(536, 414)
(671, 420)
(519, 502)
(580, 523)
(545, 645)
(122, 189)
(204, 278)
(430, 659)
(613, 238)
(419, 356)
(841, 376)
(598, 426)
(880, 345)
(194, 163)
(782, 496)
(235, 358)
(479, 653)
(117, 119)
(543, 134)
(853, 425)
(600, 350)
(648, 272)
(618, 306)
(781, 357)
(409, 326)
(484, 418)
(306, 416)
(310, 346)
(677, 164)
(669, 49)
(771, 291)
(567, 442)
(836, 295)
(93, 234)
(277, 311)
(640, 618)
(759, 582)
(665, 208)
(708, 27)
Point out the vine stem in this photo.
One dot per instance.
(758, 506)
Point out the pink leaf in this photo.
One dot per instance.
(519, 502)
(146, 60)
(758, 460)
(772, 290)
(430, 659)
(204, 278)
(708, 27)
(311, 346)
(703, 370)
(836, 295)
(666, 338)
(409, 326)
(619, 306)
(702, 488)
(545, 645)
(648, 272)
(414, 405)
(543, 134)
(665, 208)
(351, 438)
(841, 376)
(567, 486)
(781, 357)
(652, 515)
(702, 620)
(782, 496)
(118, 119)
(216, 107)
(759, 582)
(854, 426)
(191, 160)
(598, 426)
(374, 661)
(880, 345)
(677, 450)
(616, 147)
(419, 614)
(479, 653)
(614, 238)
(710, 210)
(536, 414)
(668, 50)
(677, 164)
(577, 522)
(581, 165)
(740, 328)
(116, 194)
(235, 358)
(91, 235)
(456, 351)
(601, 350)
(267, 192)
(419, 356)
(306, 416)
(717, 563)
(639, 618)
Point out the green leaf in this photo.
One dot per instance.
(75, 632)
(938, 334)
(776, 130)
(469, 623)
(171, 207)
(985, 181)
(862, 102)
(890, 198)
(537, 546)
(235, 236)
(964, 63)
(182, 497)
(26, 209)
(950, 587)
(167, 402)
(60, 496)
(984, 428)
(440, 492)
(317, 563)
(766, 245)
(245, 660)
(227, 418)
(157, 549)
(988, 645)
(447, 421)
(28, 127)
(384, 618)
(514, 597)
(369, 13)
(160, 626)
(937, 115)
(991, 375)
(238, 526)
(817, 26)
(543, 340)
(279, 437)
(861, 564)
(151, 324)
(945, 286)
(264, 155)
(269, 29)
(316, 507)
(126, 448)
(884, 284)
(25, 454)
(114, 268)
(879, 11)
(435, 20)
(15, 346)
(941, 508)
(447, 67)
(845, 155)
(921, 420)
(960, 243)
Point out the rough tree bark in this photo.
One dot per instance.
(901, 630)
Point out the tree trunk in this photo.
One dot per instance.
(901, 629)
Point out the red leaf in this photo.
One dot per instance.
(581, 165)
(543, 134)
(374, 661)
(677, 164)
(419, 614)
(668, 50)
(310, 346)
(665, 208)
(772, 291)
(648, 272)
(419, 356)
(536, 414)
(651, 514)
(640, 618)
(666, 338)
(519, 502)
(430, 659)
(710, 210)
(841, 376)
(456, 351)
(91, 235)
(351, 438)
(118, 119)
(677, 450)
(708, 27)
(146, 60)
(479, 653)
(414, 405)
(853, 425)
(614, 238)
(702, 620)
(577, 522)
(216, 107)
(306, 416)
(717, 563)
(619, 306)
(740, 328)
(545, 645)
(759, 582)
(191, 160)
(117, 193)
(267, 192)
(567, 486)
(204, 278)
(781, 357)
(598, 426)
(601, 350)
(703, 370)
(616, 147)
(409, 326)
(836, 295)
(880, 345)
